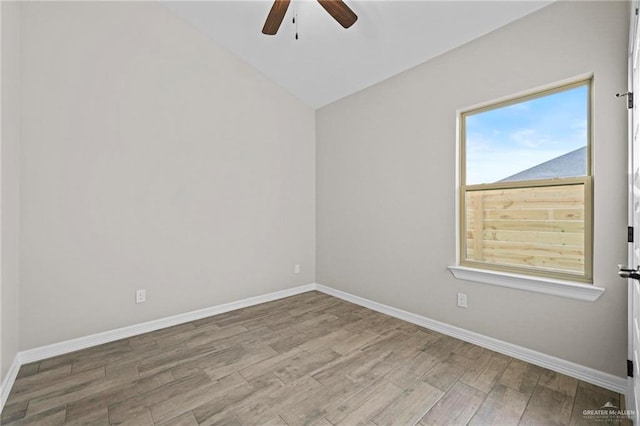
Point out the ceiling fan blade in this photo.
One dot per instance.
(275, 17)
(340, 12)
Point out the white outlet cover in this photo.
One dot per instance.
(462, 300)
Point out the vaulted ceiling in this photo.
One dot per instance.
(328, 62)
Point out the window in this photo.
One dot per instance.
(526, 189)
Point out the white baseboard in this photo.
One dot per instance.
(7, 383)
(55, 349)
(61, 348)
(590, 375)
(586, 374)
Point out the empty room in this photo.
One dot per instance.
(319, 212)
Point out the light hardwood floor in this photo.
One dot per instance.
(306, 359)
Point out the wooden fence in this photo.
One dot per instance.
(541, 227)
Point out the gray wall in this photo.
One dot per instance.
(386, 167)
(151, 158)
(154, 159)
(9, 178)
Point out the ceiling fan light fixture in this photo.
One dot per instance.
(336, 8)
(275, 17)
(340, 12)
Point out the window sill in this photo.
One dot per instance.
(571, 290)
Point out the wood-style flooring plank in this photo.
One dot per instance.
(590, 397)
(260, 390)
(193, 397)
(28, 370)
(366, 404)
(558, 382)
(410, 406)
(446, 373)
(139, 404)
(521, 376)
(14, 411)
(547, 407)
(121, 391)
(185, 419)
(251, 357)
(409, 371)
(31, 384)
(502, 406)
(51, 417)
(456, 407)
(279, 401)
(50, 385)
(76, 390)
(484, 379)
(309, 359)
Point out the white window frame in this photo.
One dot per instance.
(529, 282)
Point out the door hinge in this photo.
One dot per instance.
(629, 368)
(629, 234)
(636, 11)
(629, 96)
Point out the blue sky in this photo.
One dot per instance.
(508, 140)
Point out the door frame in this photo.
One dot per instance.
(630, 397)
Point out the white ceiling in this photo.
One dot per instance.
(329, 62)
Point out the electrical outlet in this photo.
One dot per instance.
(462, 300)
(141, 296)
(296, 268)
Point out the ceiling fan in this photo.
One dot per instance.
(336, 8)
